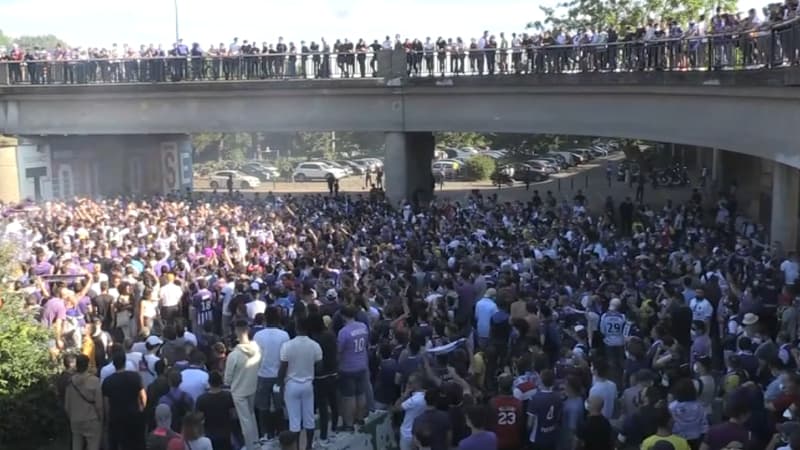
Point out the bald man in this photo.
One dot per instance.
(595, 433)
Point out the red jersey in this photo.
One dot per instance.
(508, 421)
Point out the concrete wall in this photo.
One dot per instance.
(748, 118)
(95, 166)
(9, 181)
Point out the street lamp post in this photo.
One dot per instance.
(177, 34)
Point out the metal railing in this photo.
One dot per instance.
(756, 49)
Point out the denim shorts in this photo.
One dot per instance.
(353, 384)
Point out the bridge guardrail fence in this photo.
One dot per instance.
(770, 47)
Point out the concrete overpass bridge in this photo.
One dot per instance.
(117, 129)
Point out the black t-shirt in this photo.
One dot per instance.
(681, 323)
(102, 304)
(216, 407)
(596, 434)
(122, 390)
(439, 422)
(327, 342)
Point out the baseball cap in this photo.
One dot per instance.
(153, 341)
(331, 294)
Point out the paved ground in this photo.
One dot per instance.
(590, 178)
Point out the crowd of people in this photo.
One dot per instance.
(721, 40)
(217, 322)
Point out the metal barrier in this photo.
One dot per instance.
(756, 49)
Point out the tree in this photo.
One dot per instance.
(479, 167)
(47, 41)
(224, 146)
(461, 140)
(26, 369)
(601, 14)
(522, 147)
(314, 144)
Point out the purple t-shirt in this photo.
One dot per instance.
(484, 440)
(43, 268)
(54, 309)
(352, 343)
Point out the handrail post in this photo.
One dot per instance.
(4, 75)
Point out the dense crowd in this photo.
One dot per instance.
(215, 322)
(722, 40)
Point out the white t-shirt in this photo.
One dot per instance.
(607, 390)
(255, 307)
(148, 374)
(109, 369)
(790, 270)
(301, 353)
(170, 295)
(194, 382)
(270, 340)
(701, 309)
(413, 407)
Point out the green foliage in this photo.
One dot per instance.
(314, 145)
(600, 14)
(224, 146)
(285, 167)
(479, 167)
(26, 369)
(47, 41)
(461, 140)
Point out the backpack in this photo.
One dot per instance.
(144, 367)
(177, 406)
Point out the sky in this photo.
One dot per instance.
(100, 23)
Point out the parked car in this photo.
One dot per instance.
(450, 168)
(355, 169)
(572, 159)
(261, 171)
(529, 173)
(316, 170)
(560, 162)
(601, 150)
(372, 163)
(588, 154)
(543, 165)
(219, 179)
(347, 170)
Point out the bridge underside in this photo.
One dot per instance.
(752, 114)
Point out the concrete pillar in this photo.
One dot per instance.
(716, 167)
(785, 206)
(407, 166)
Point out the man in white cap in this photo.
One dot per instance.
(147, 366)
(612, 327)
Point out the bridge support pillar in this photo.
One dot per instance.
(408, 166)
(716, 167)
(52, 167)
(785, 206)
